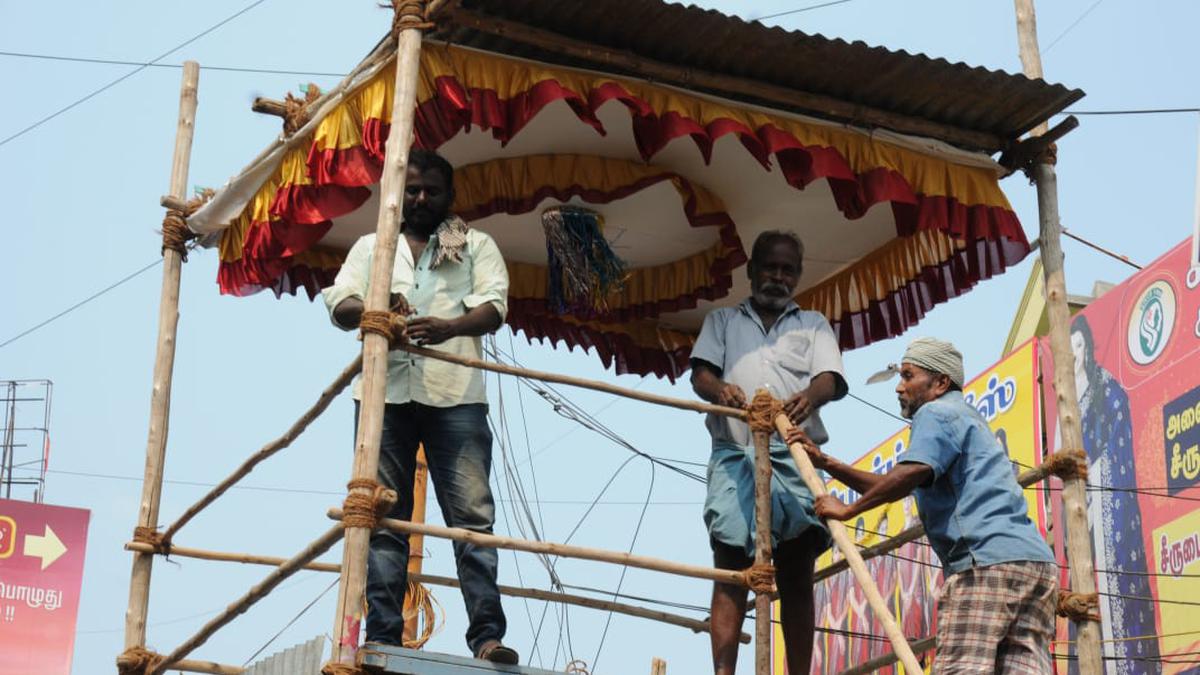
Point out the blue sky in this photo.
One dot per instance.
(80, 196)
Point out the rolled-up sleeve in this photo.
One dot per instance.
(710, 344)
(351, 280)
(827, 355)
(489, 275)
(933, 442)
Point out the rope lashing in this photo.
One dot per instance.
(1079, 607)
(759, 578)
(1068, 464)
(137, 661)
(409, 14)
(295, 109)
(391, 325)
(365, 509)
(335, 668)
(763, 410)
(151, 536)
(175, 232)
(578, 666)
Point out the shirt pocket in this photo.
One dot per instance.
(793, 352)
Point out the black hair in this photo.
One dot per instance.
(425, 160)
(1080, 325)
(765, 239)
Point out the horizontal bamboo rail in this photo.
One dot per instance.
(694, 625)
(918, 646)
(563, 550)
(190, 666)
(256, 593)
(327, 396)
(583, 383)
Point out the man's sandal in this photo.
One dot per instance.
(495, 652)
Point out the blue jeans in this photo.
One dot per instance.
(458, 450)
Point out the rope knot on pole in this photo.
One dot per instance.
(364, 509)
(151, 536)
(762, 411)
(1067, 464)
(335, 668)
(410, 14)
(295, 108)
(391, 325)
(759, 578)
(137, 661)
(175, 232)
(578, 666)
(1079, 607)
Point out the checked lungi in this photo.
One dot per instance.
(997, 619)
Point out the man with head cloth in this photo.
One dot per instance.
(766, 341)
(997, 605)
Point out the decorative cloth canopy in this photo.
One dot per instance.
(683, 182)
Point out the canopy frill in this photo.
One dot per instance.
(953, 225)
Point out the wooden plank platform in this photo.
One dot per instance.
(400, 661)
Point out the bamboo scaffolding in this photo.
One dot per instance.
(694, 625)
(190, 666)
(658, 667)
(564, 550)
(352, 587)
(921, 646)
(846, 545)
(256, 593)
(331, 392)
(416, 544)
(583, 383)
(1074, 495)
(164, 367)
(762, 546)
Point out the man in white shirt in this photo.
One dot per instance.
(455, 281)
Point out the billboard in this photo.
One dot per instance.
(909, 578)
(41, 570)
(1139, 393)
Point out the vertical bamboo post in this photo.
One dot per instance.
(658, 667)
(416, 542)
(352, 586)
(164, 366)
(762, 549)
(841, 538)
(1074, 493)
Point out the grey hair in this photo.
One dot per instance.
(764, 239)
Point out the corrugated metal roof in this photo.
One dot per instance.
(303, 659)
(987, 102)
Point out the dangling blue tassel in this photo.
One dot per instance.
(583, 268)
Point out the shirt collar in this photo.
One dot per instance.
(748, 309)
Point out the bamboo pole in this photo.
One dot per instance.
(762, 547)
(331, 392)
(684, 76)
(694, 625)
(189, 666)
(564, 550)
(919, 646)
(164, 366)
(658, 667)
(256, 593)
(352, 587)
(846, 545)
(1080, 563)
(583, 383)
(416, 543)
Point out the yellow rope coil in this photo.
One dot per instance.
(419, 603)
(578, 666)
(335, 668)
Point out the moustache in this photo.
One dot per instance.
(774, 289)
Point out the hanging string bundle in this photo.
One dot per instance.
(584, 270)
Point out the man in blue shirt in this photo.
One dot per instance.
(766, 341)
(997, 606)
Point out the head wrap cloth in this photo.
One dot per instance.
(937, 356)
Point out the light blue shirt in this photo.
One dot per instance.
(974, 511)
(784, 360)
